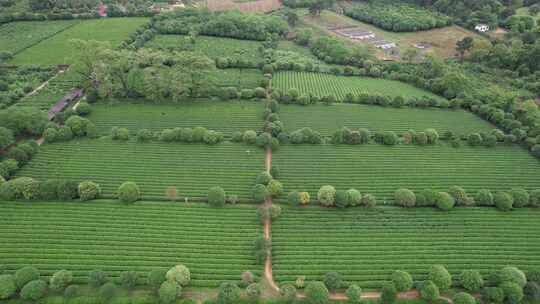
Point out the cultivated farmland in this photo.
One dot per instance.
(57, 49)
(225, 117)
(380, 170)
(17, 36)
(327, 119)
(366, 246)
(320, 84)
(239, 78)
(215, 244)
(191, 168)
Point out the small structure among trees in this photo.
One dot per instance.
(355, 33)
(482, 28)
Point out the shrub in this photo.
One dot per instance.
(429, 292)
(50, 135)
(471, 280)
(535, 198)
(88, 191)
(253, 292)
(64, 134)
(354, 197)
(67, 190)
(493, 295)
(8, 288)
(129, 278)
(156, 277)
(316, 293)
(332, 280)
(144, 135)
(463, 298)
(532, 291)
(119, 134)
(293, 198)
(513, 293)
(354, 293)
(326, 195)
(107, 291)
(275, 211)
(247, 278)
(521, 197)
(259, 193)
(512, 275)
(484, 198)
(275, 188)
(402, 280)
(71, 292)
(179, 274)
(236, 136)
(445, 201)
(503, 201)
(96, 278)
(460, 196)
(77, 125)
(369, 201)
(34, 290)
(25, 275)
(405, 198)
(216, 196)
(84, 109)
(474, 139)
(129, 192)
(229, 293)
(169, 291)
(250, 137)
(288, 293)
(300, 282)
(263, 178)
(60, 280)
(390, 138)
(388, 293)
(440, 277)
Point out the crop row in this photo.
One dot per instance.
(215, 244)
(225, 117)
(380, 170)
(189, 169)
(320, 84)
(366, 246)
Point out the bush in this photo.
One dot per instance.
(71, 292)
(64, 134)
(503, 201)
(513, 293)
(156, 277)
(354, 293)
(259, 193)
(144, 135)
(250, 137)
(216, 196)
(316, 293)
(119, 134)
(25, 275)
(440, 277)
(107, 291)
(429, 292)
(474, 139)
(179, 274)
(275, 211)
(129, 192)
(390, 138)
(77, 125)
(8, 288)
(50, 135)
(84, 109)
(288, 293)
(402, 280)
(460, 196)
(521, 197)
(88, 190)
(96, 278)
(512, 275)
(369, 201)
(34, 290)
(60, 280)
(67, 190)
(129, 278)
(354, 197)
(229, 293)
(532, 291)
(275, 188)
(471, 280)
(253, 292)
(388, 293)
(169, 291)
(445, 201)
(332, 281)
(493, 295)
(263, 178)
(484, 198)
(463, 298)
(326, 195)
(405, 198)
(535, 198)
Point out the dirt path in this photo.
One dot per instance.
(43, 84)
(267, 231)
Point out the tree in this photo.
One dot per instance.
(88, 191)
(354, 197)
(493, 294)
(259, 193)
(288, 293)
(129, 278)
(390, 138)
(405, 198)
(129, 192)
(50, 135)
(332, 280)
(229, 293)
(369, 201)
(521, 197)
(513, 275)
(6, 138)
(429, 292)
(216, 196)
(471, 280)
(445, 201)
(532, 291)
(513, 293)
(24, 275)
(474, 139)
(107, 291)
(60, 280)
(402, 280)
(263, 178)
(464, 45)
(169, 291)
(292, 18)
(326, 195)
(253, 292)
(78, 125)
(71, 292)
(8, 288)
(535, 198)
(388, 293)
(503, 201)
(463, 298)
(275, 188)
(96, 278)
(156, 277)
(179, 274)
(460, 196)
(34, 290)
(484, 198)
(316, 293)
(354, 293)
(440, 277)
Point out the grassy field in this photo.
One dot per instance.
(366, 246)
(239, 78)
(216, 244)
(327, 119)
(246, 6)
(380, 170)
(57, 49)
(325, 84)
(17, 36)
(156, 166)
(226, 117)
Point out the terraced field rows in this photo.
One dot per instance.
(380, 170)
(17, 36)
(320, 84)
(327, 119)
(239, 78)
(226, 117)
(366, 246)
(216, 244)
(156, 166)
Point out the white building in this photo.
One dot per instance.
(385, 45)
(482, 28)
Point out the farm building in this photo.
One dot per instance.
(385, 45)
(482, 28)
(356, 33)
(422, 45)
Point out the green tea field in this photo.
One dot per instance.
(320, 84)
(214, 243)
(17, 36)
(239, 78)
(225, 117)
(327, 119)
(191, 169)
(366, 246)
(380, 170)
